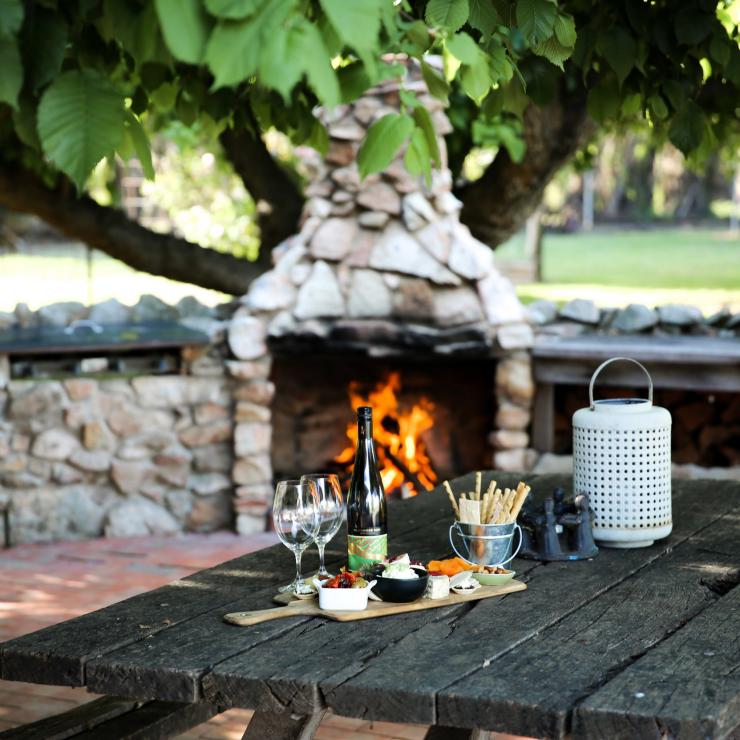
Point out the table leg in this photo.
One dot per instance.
(438, 732)
(282, 726)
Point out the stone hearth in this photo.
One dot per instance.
(381, 269)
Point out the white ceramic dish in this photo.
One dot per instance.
(343, 599)
(464, 583)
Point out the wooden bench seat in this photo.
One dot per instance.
(115, 718)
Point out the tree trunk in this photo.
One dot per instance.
(112, 232)
(496, 205)
(268, 182)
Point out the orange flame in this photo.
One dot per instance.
(397, 436)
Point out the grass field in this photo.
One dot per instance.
(613, 268)
(697, 266)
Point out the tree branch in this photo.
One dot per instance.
(112, 232)
(497, 205)
(266, 181)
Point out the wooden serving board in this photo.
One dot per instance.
(310, 607)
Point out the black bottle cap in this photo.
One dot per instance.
(365, 412)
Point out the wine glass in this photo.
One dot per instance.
(331, 511)
(295, 513)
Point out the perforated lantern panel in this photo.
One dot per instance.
(627, 475)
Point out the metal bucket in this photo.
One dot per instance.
(486, 544)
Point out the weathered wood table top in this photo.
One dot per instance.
(632, 644)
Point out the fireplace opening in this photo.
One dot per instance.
(431, 423)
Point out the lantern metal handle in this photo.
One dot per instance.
(608, 362)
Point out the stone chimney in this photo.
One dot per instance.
(384, 266)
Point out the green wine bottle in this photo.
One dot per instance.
(367, 531)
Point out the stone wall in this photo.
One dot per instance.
(582, 316)
(122, 456)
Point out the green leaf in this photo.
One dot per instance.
(232, 9)
(620, 50)
(357, 22)
(233, 52)
(483, 16)
(692, 26)
(462, 47)
(436, 84)
(383, 141)
(235, 49)
(675, 93)
(185, 28)
(319, 137)
(280, 66)
(44, 42)
(449, 14)
(425, 124)
(513, 142)
(140, 141)
(500, 68)
(11, 76)
(687, 128)
(416, 157)
(418, 34)
(515, 98)
(476, 80)
(321, 76)
(80, 121)
(536, 19)
(720, 49)
(631, 105)
(603, 101)
(658, 107)
(565, 30)
(11, 17)
(353, 81)
(553, 51)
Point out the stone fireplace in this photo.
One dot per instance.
(382, 279)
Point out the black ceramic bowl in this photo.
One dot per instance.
(401, 590)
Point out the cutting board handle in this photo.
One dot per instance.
(245, 619)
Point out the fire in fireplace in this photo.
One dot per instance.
(403, 458)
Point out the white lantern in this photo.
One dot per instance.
(622, 460)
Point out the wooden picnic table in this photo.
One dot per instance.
(641, 643)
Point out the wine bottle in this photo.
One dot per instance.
(367, 532)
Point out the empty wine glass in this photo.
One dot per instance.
(295, 513)
(331, 511)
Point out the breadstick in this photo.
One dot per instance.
(478, 476)
(519, 502)
(451, 496)
(497, 508)
(491, 488)
(486, 508)
(508, 498)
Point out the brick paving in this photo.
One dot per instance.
(45, 584)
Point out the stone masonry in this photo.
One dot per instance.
(383, 262)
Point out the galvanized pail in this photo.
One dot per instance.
(486, 544)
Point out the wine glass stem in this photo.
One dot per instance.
(298, 576)
(322, 569)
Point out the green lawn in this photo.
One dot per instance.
(698, 266)
(613, 268)
(59, 273)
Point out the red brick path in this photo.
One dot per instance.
(45, 584)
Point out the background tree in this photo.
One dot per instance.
(81, 80)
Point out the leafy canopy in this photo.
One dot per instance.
(80, 77)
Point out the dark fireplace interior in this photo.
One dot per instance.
(705, 431)
(312, 410)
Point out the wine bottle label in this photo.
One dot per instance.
(364, 551)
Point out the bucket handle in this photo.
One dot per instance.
(608, 362)
(517, 528)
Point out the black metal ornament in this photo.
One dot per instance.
(558, 529)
